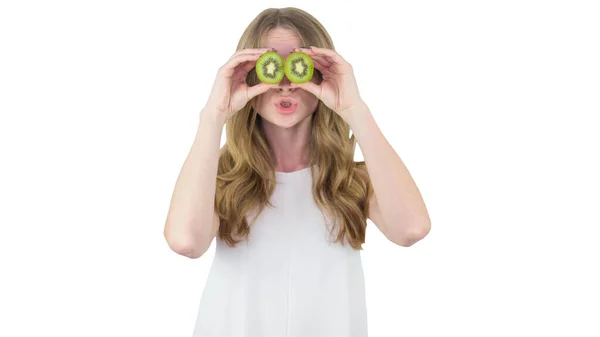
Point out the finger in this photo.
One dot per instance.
(311, 87)
(321, 63)
(247, 67)
(311, 52)
(228, 68)
(324, 60)
(305, 50)
(242, 70)
(327, 63)
(330, 53)
(321, 67)
(258, 89)
(252, 51)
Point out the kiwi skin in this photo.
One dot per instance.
(289, 67)
(269, 68)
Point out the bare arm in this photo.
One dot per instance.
(397, 207)
(192, 223)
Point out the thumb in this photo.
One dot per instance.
(310, 87)
(258, 89)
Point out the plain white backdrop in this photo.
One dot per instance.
(492, 106)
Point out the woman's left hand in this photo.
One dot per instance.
(338, 90)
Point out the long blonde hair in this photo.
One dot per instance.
(246, 168)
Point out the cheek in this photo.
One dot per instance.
(262, 99)
(310, 101)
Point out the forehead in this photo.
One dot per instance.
(282, 39)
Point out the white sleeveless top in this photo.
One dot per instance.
(288, 279)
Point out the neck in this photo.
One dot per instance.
(290, 146)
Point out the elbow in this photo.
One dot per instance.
(412, 235)
(186, 249)
(184, 245)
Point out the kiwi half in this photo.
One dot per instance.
(269, 68)
(299, 67)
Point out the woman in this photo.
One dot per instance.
(284, 197)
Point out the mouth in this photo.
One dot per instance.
(286, 105)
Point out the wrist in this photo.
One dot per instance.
(355, 111)
(212, 116)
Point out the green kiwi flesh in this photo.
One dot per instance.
(269, 68)
(299, 67)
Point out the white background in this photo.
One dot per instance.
(490, 104)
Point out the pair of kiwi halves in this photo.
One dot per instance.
(298, 67)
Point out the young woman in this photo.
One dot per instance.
(284, 197)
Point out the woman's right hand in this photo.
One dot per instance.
(230, 93)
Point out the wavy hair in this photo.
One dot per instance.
(246, 168)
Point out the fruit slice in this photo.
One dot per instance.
(299, 67)
(269, 67)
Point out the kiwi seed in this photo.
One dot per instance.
(269, 67)
(299, 67)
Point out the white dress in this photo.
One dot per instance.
(288, 279)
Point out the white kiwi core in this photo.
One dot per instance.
(299, 67)
(271, 68)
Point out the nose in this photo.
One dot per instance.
(285, 85)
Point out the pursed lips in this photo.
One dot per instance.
(285, 102)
